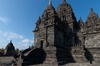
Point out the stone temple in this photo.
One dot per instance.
(61, 40)
(9, 50)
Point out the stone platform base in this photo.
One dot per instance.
(71, 64)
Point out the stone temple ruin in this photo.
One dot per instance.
(6, 55)
(60, 40)
(9, 50)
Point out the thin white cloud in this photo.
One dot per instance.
(19, 41)
(11, 35)
(26, 41)
(14, 35)
(3, 20)
(23, 44)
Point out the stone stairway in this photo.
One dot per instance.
(60, 57)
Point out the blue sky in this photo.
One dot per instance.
(18, 18)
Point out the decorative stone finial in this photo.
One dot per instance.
(50, 2)
(39, 18)
(91, 9)
(10, 41)
(63, 1)
(81, 19)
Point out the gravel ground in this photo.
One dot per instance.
(6, 61)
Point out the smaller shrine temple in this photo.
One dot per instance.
(10, 49)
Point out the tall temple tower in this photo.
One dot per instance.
(45, 28)
(56, 28)
(55, 33)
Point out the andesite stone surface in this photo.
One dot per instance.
(60, 40)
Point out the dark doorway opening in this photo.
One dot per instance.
(41, 45)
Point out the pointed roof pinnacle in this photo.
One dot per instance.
(91, 9)
(50, 5)
(39, 18)
(80, 20)
(63, 1)
(50, 2)
(10, 41)
(92, 12)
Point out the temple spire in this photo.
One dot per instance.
(63, 1)
(81, 19)
(50, 2)
(39, 18)
(91, 9)
(10, 41)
